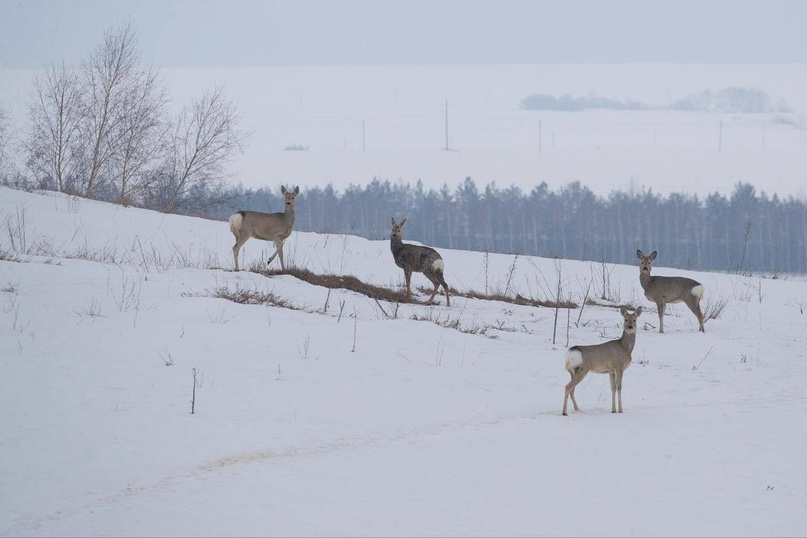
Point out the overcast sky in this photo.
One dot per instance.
(36, 33)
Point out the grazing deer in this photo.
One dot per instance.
(610, 358)
(669, 289)
(418, 259)
(267, 226)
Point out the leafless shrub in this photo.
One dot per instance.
(106, 254)
(14, 309)
(714, 307)
(168, 360)
(90, 310)
(510, 275)
(10, 288)
(748, 290)
(304, 347)
(486, 263)
(127, 294)
(355, 328)
(603, 276)
(242, 295)
(393, 311)
(16, 230)
(222, 317)
(583, 304)
(449, 323)
(8, 256)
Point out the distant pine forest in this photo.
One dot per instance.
(736, 100)
(747, 232)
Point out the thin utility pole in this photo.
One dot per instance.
(446, 124)
(540, 136)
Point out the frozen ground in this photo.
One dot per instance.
(349, 417)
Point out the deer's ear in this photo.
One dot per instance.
(283, 189)
(297, 189)
(403, 222)
(392, 220)
(638, 312)
(639, 254)
(653, 255)
(623, 310)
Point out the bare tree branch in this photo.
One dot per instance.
(55, 113)
(206, 137)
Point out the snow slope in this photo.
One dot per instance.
(348, 417)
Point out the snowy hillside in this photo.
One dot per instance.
(341, 415)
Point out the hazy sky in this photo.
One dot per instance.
(36, 33)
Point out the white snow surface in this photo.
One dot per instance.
(346, 416)
(440, 124)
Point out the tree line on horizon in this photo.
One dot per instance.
(737, 100)
(744, 232)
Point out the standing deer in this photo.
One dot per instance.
(418, 259)
(266, 226)
(669, 289)
(610, 358)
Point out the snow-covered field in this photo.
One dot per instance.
(349, 417)
(354, 124)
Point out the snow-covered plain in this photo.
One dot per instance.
(353, 124)
(349, 417)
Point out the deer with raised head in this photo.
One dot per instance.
(266, 226)
(417, 259)
(669, 289)
(612, 358)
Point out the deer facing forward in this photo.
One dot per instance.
(610, 358)
(266, 226)
(417, 259)
(669, 289)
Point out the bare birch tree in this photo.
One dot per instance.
(55, 114)
(111, 76)
(141, 133)
(205, 139)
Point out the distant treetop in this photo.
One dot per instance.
(729, 100)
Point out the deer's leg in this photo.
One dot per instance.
(612, 376)
(239, 242)
(695, 306)
(408, 278)
(660, 305)
(433, 279)
(576, 378)
(278, 246)
(280, 252)
(445, 288)
(619, 387)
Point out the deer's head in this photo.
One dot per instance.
(630, 318)
(397, 229)
(290, 196)
(645, 262)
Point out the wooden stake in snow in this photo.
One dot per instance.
(193, 397)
